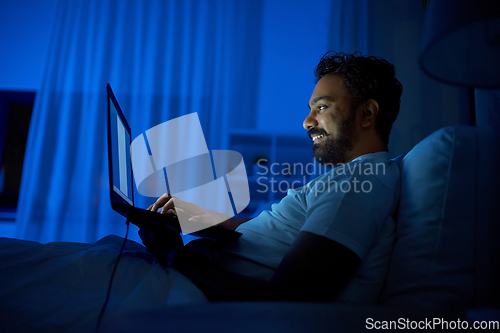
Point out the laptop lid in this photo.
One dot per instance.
(121, 181)
(120, 168)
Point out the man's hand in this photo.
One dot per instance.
(186, 210)
(160, 244)
(164, 204)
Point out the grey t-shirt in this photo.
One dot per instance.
(352, 204)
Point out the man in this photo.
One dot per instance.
(330, 240)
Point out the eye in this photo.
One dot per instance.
(321, 107)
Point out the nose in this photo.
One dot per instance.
(310, 121)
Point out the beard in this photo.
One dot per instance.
(332, 152)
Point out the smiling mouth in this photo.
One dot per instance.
(317, 138)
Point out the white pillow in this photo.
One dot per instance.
(433, 260)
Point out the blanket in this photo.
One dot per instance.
(61, 286)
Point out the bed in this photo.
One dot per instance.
(440, 267)
(62, 286)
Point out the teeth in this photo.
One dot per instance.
(314, 138)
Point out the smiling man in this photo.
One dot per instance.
(330, 240)
(331, 122)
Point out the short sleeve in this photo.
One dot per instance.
(351, 207)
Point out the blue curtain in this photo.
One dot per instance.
(349, 26)
(164, 59)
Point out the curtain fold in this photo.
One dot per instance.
(348, 26)
(163, 59)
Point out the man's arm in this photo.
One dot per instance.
(232, 223)
(314, 269)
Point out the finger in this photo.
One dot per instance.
(169, 211)
(178, 211)
(203, 219)
(160, 202)
(177, 204)
(168, 205)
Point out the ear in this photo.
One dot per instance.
(369, 113)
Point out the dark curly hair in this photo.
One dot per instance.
(366, 77)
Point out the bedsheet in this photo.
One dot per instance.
(62, 286)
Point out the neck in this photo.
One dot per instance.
(365, 147)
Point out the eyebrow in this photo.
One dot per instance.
(317, 99)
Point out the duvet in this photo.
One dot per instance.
(62, 286)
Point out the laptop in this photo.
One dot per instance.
(121, 182)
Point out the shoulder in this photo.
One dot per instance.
(360, 176)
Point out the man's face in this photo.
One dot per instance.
(331, 123)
